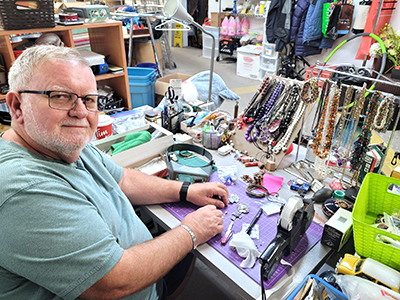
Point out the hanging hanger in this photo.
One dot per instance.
(184, 26)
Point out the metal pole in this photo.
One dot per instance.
(159, 68)
(212, 58)
(130, 44)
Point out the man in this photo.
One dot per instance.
(67, 228)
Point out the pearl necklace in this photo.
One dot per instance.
(282, 144)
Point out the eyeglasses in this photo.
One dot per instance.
(67, 101)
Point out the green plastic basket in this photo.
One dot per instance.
(373, 199)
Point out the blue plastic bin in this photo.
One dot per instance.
(337, 294)
(141, 86)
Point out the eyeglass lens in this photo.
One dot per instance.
(64, 100)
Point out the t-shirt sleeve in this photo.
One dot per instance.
(66, 247)
(115, 170)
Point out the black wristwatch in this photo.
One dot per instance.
(183, 191)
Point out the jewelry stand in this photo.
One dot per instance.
(241, 144)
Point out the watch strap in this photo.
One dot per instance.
(183, 191)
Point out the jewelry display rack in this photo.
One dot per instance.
(241, 144)
(388, 81)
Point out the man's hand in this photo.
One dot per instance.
(214, 193)
(206, 222)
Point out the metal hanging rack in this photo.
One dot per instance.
(366, 79)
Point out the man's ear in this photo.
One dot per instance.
(13, 100)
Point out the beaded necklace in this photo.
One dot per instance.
(361, 144)
(251, 109)
(384, 115)
(274, 129)
(282, 143)
(318, 115)
(327, 123)
(284, 123)
(310, 91)
(262, 114)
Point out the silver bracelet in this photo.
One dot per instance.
(192, 235)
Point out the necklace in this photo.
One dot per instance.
(327, 124)
(262, 114)
(282, 143)
(310, 91)
(324, 94)
(361, 144)
(384, 115)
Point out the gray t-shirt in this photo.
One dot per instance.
(62, 226)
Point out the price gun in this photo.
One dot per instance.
(294, 220)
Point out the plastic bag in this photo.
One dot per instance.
(227, 174)
(356, 288)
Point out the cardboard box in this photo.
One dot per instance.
(214, 19)
(371, 162)
(144, 52)
(138, 153)
(338, 229)
(154, 165)
(71, 4)
(248, 61)
(162, 84)
(396, 173)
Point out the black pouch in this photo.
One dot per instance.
(351, 79)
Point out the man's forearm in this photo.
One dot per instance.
(142, 189)
(142, 265)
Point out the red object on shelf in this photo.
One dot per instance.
(17, 53)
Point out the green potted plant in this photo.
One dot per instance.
(391, 40)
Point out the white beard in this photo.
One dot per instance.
(51, 140)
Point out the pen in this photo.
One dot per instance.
(254, 221)
(227, 234)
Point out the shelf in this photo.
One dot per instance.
(106, 38)
(244, 15)
(108, 76)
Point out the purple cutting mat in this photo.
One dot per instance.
(267, 231)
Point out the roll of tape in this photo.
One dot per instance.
(292, 205)
(338, 194)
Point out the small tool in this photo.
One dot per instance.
(227, 234)
(254, 221)
(242, 208)
(170, 94)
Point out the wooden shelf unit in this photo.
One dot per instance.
(105, 38)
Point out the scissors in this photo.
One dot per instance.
(170, 94)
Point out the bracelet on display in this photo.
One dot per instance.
(183, 191)
(262, 191)
(192, 235)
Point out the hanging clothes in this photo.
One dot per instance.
(277, 27)
(297, 30)
(312, 35)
